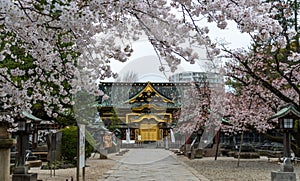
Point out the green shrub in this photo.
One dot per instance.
(247, 155)
(69, 144)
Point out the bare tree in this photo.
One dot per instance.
(129, 76)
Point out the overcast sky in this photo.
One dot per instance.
(145, 63)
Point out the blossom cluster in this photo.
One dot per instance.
(52, 49)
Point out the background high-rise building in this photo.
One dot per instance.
(190, 76)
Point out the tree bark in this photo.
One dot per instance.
(240, 149)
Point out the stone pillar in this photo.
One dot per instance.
(6, 143)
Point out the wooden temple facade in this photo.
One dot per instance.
(148, 110)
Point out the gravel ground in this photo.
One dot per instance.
(225, 168)
(95, 170)
(222, 169)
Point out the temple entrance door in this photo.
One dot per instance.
(149, 132)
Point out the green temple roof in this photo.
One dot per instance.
(288, 109)
(30, 116)
(120, 93)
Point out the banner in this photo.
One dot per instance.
(172, 136)
(127, 135)
(81, 128)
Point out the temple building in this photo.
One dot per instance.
(145, 110)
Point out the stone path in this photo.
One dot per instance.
(152, 165)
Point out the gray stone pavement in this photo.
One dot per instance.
(152, 165)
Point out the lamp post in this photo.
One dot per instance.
(287, 125)
(287, 116)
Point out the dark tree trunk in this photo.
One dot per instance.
(296, 143)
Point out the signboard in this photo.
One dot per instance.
(81, 145)
(107, 140)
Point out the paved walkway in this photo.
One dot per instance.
(152, 165)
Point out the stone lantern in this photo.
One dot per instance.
(287, 117)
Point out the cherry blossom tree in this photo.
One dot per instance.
(77, 41)
(195, 106)
(61, 39)
(268, 74)
(246, 112)
(269, 71)
(270, 68)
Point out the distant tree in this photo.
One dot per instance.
(130, 76)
